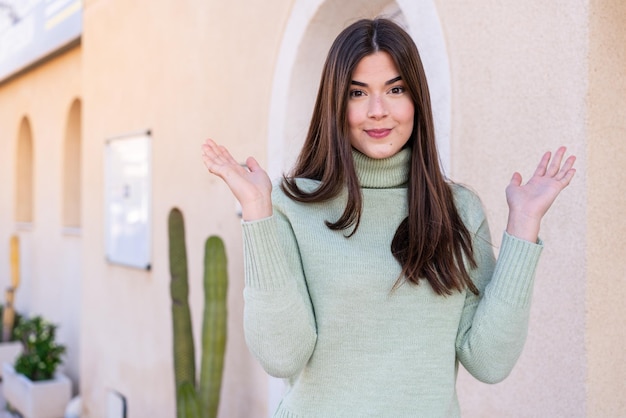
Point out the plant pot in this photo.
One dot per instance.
(41, 399)
(9, 352)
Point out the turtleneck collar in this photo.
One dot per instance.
(385, 173)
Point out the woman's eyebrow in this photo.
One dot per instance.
(361, 84)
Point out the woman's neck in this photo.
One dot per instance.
(382, 173)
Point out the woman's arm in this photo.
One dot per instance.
(494, 324)
(279, 324)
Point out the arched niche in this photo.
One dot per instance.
(72, 167)
(24, 176)
(310, 30)
(312, 26)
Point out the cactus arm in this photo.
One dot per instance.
(187, 401)
(214, 325)
(184, 356)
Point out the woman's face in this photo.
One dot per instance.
(380, 110)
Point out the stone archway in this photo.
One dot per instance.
(310, 30)
(71, 217)
(312, 26)
(24, 175)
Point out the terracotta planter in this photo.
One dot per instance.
(9, 352)
(42, 399)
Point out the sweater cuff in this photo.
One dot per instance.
(264, 262)
(514, 273)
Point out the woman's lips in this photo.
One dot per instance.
(378, 133)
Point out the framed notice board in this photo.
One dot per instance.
(128, 200)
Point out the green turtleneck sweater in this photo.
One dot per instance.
(320, 312)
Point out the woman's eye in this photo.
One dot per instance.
(356, 93)
(397, 90)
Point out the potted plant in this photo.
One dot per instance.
(33, 386)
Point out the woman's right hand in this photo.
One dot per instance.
(252, 187)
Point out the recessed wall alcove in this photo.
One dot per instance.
(24, 178)
(311, 28)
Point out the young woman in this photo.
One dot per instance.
(369, 277)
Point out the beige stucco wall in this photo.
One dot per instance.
(526, 77)
(50, 256)
(184, 71)
(519, 80)
(606, 224)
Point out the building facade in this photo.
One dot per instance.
(509, 81)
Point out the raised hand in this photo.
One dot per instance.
(251, 186)
(528, 203)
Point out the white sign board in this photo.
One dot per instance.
(128, 200)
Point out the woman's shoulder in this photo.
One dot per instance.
(280, 197)
(306, 185)
(468, 203)
(463, 193)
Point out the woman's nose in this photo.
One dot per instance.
(377, 108)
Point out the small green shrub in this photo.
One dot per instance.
(41, 354)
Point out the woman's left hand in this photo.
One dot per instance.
(528, 203)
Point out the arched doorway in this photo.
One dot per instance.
(312, 26)
(310, 30)
(24, 175)
(72, 168)
(70, 269)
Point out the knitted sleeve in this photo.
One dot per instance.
(279, 324)
(494, 324)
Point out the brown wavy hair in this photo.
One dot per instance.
(431, 241)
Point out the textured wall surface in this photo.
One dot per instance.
(519, 88)
(50, 257)
(525, 77)
(184, 71)
(606, 224)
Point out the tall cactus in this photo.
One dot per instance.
(184, 354)
(8, 313)
(202, 397)
(187, 402)
(214, 325)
